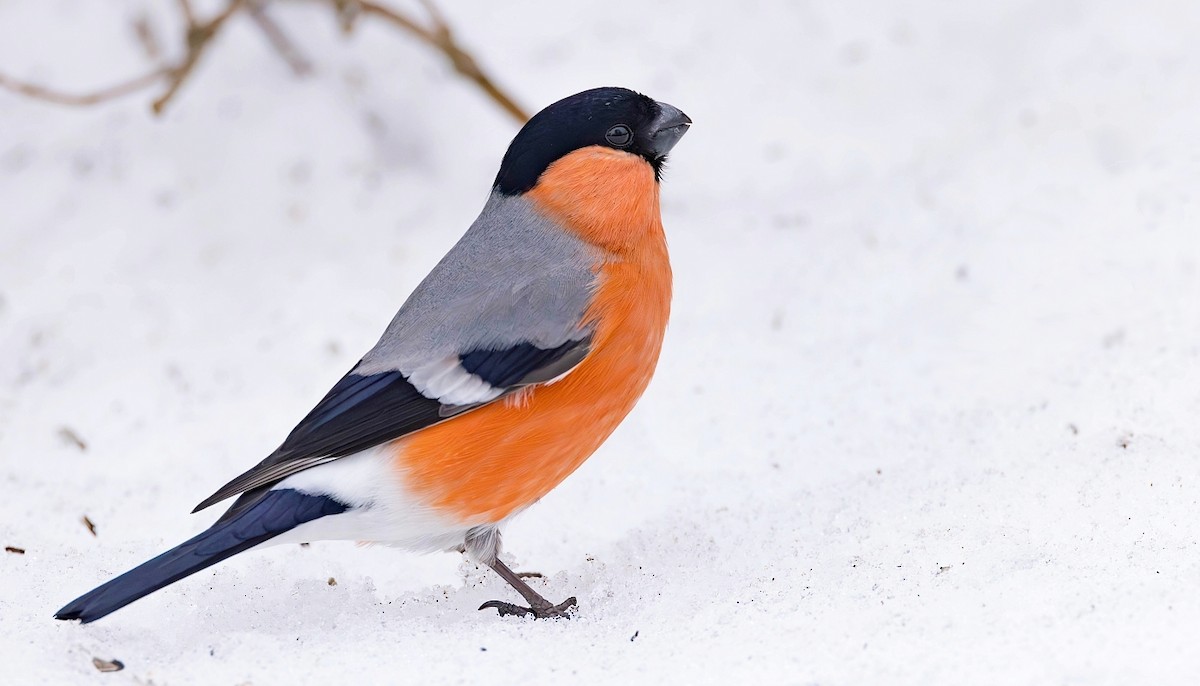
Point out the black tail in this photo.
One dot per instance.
(276, 512)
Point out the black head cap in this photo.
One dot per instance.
(611, 117)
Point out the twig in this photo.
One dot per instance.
(147, 38)
(185, 7)
(296, 60)
(198, 38)
(440, 37)
(199, 35)
(83, 99)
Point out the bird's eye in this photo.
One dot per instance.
(619, 136)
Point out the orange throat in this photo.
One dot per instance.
(485, 465)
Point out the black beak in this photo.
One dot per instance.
(668, 128)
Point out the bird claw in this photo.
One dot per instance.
(562, 610)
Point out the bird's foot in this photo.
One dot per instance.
(539, 611)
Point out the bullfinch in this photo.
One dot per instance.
(508, 366)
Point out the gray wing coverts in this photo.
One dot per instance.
(515, 277)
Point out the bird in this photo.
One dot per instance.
(506, 368)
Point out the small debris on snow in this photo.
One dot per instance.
(69, 436)
(14, 549)
(91, 526)
(107, 665)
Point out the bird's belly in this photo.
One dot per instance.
(490, 463)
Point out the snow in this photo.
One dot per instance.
(926, 413)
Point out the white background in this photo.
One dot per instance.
(928, 410)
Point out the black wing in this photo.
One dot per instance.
(524, 363)
(362, 411)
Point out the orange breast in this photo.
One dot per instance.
(487, 464)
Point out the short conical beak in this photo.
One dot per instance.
(668, 128)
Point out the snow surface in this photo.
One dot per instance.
(927, 412)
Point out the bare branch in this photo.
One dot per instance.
(199, 35)
(299, 64)
(83, 99)
(346, 13)
(441, 37)
(434, 13)
(198, 38)
(147, 38)
(185, 7)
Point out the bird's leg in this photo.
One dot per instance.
(539, 607)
